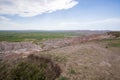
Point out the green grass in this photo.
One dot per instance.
(72, 71)
(115, 44)
(31, 68)
(112, 42)
(16, 36)
(60, 58)
(63, 78)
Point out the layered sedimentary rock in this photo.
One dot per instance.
(18, 47)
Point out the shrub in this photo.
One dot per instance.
(31, 68)
(116, 34)
(63, 78)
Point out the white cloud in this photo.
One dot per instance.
(2, 18)
(7, 23)
(112, 21)
(110, 24)
(105, 24)
(28, 8)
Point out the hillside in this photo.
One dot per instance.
(91, 57)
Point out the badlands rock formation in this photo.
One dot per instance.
(28, 47)
(18, 47)
(57, 43)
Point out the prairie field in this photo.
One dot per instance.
(17, 36)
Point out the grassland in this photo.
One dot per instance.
(111, 42)
(17, 36)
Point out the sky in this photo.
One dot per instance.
(60, 15)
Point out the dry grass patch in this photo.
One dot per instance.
(30, 68)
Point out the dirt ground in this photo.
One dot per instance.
(87, 61)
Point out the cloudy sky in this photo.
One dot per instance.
(59, 14)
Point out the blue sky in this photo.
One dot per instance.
(59, 14)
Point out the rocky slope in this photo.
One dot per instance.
(18, 47)
(26, 48)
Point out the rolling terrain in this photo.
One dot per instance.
(60, 55)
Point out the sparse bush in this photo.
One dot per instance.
(106, 46)
(60, 58)
(72, 71)
(31, 68)
(116, 34)
(63, 78)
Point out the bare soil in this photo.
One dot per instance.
(87, 61)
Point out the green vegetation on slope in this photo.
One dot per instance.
(115, 43)
(112, 42)
(31, 68)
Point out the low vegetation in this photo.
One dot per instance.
(116, 34)
(111, 42)
(63, 78)
(16, 36)
(31, 68)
